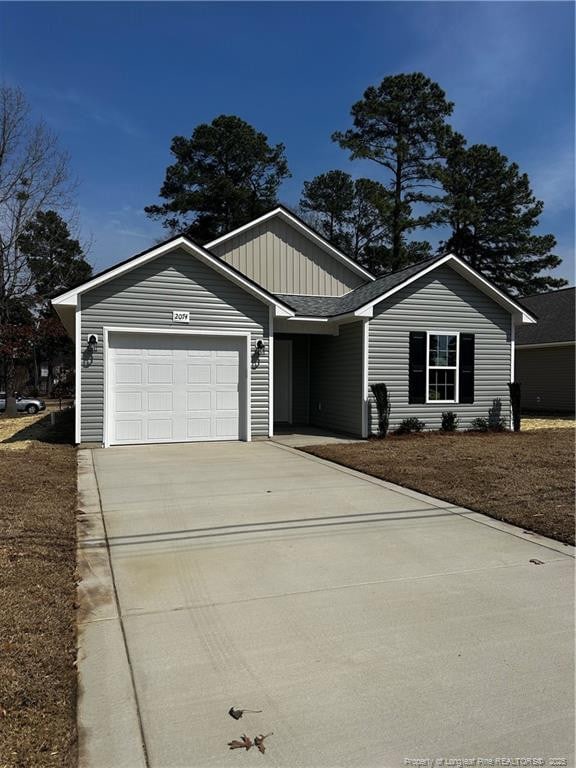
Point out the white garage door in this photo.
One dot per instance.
(175, 388)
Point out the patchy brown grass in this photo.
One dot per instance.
(548, 422)
(37, 594)
(526, 478)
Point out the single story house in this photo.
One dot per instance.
(272, 325)
(545, 359)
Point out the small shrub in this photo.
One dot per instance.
(515, 402)
(407, 426)
(481, 424)
(449, 421)
(380, 392)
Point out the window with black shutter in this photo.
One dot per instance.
(442, 368)
(417, 367)
(466, 368)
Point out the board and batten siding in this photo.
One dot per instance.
(546, 376)
(336, 380)
(440, 301)
(283, 260)
(145, 298)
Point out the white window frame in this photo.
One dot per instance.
(454, 368)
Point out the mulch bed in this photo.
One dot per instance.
(524, 478)
(37, 594)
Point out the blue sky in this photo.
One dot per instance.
(117, 80)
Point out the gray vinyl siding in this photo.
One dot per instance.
(281, 259)
(336, 380)
(546, 375)
(145, 297)
(440, 301)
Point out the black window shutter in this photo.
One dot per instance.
(466, 372)
(417, 367)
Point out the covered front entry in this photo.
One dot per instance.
(165, 388)
(318, 380)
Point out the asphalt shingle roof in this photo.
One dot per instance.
(330, 306)
(555, 313)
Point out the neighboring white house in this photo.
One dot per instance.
(271, 324)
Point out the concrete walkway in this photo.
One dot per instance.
(372, 625)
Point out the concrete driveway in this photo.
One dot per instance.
(373, 626)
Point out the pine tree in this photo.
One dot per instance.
(492, 212)
(223, 176)
(401, 125)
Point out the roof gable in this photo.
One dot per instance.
(287, 217)
(70, 298)
(362, 300)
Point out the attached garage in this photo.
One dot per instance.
(176, 387)
(171, 346)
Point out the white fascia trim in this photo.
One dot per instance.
(310, 319)
(271, 373)
(306, 231)
(78, 375)
(106, 412)
(471, 275)
(108, 329)
(163, 331)
(512, 349)
(512, 362)
(545, 345)
(248, 425)
(318, 295)
(200, 253)
(365, 352)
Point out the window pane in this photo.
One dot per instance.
(451, 350)
(442, 385)
(434, 392)
(442, 350)
(433, 350)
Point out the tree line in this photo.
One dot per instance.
(39, 257)
(426, 177)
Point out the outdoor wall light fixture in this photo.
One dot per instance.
(259, 349)
(92, 341)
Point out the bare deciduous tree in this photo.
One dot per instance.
(34, 175)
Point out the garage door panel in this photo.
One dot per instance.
(199, 400)
(128, 431)
(226, 400)
(160, 429)
(226, 373)
(175, 388)
(128, 373)
(128, 402)
(226, 427)
(160, 401)
(160, 373)
(201, 373)
(128, 352)
(199, 428)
